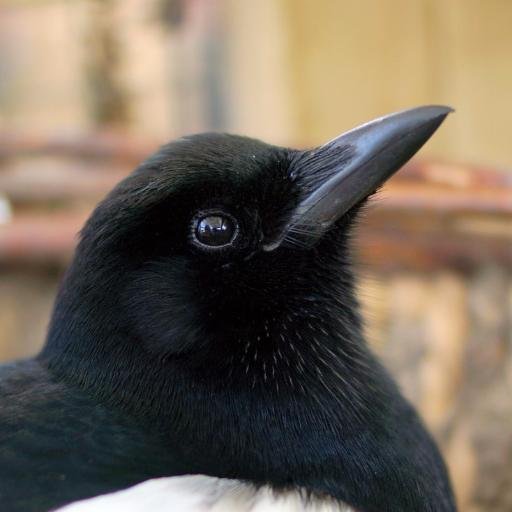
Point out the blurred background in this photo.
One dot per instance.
(90, 88)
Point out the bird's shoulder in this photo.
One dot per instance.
(58, 444)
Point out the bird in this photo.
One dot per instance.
(208, 327)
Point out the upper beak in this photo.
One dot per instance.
(341, 173)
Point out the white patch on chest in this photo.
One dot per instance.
(199, 493)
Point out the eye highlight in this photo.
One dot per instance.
(215, 229)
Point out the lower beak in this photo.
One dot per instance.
(339, 174)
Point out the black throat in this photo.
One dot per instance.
(290, 397)
(114, 325)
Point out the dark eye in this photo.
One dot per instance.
(215, 229)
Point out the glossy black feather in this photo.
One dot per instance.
(163, 359)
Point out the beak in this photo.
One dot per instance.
(339, 174)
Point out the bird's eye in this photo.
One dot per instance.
(215, 229)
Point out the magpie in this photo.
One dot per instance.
(208, 325)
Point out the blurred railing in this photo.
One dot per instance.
(429, 215)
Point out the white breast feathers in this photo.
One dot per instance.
(199, 493)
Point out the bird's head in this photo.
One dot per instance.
(211, 295)
(219, 249)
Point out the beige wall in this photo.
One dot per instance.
(353, 60)
(291, 71)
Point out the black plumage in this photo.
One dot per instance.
(167, 356)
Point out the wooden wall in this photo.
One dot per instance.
(289, 71)
(353, 60)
